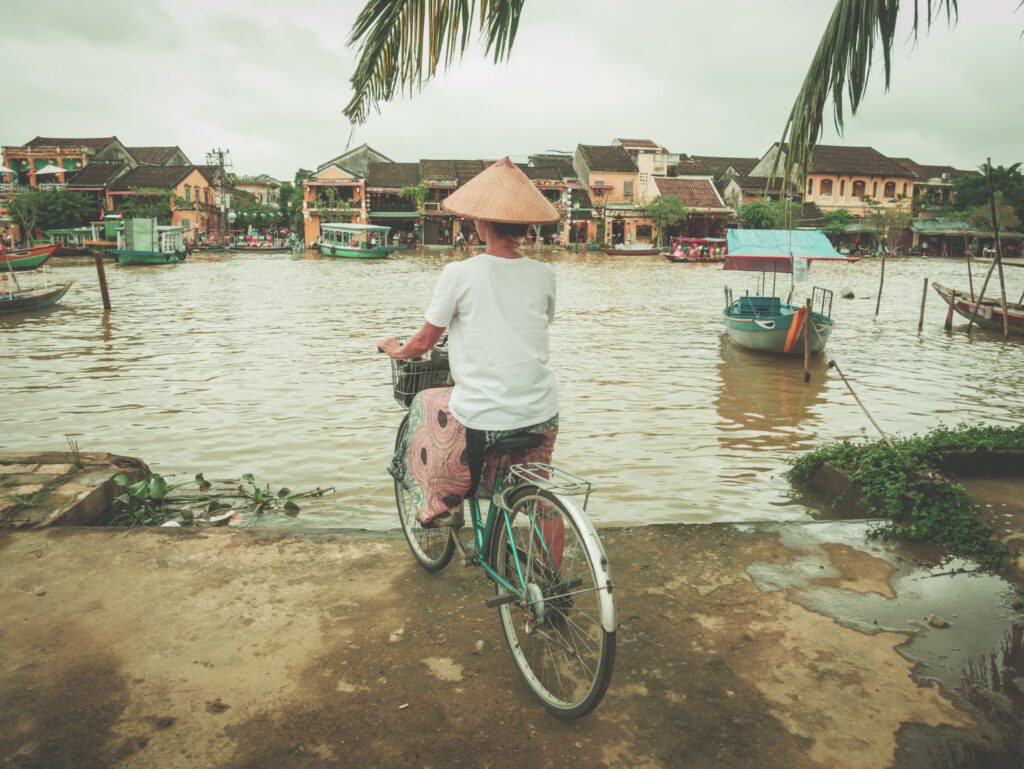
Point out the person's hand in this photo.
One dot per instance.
(389, 346)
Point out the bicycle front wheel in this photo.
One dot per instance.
(433, 548)
(560, 627)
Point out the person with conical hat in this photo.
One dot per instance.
(496, 307)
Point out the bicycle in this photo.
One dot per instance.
(554, 594)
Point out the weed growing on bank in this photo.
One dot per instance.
(904, 486)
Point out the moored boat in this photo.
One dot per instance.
(355, 241)
(143, 241)
(990, 311)
(261, 249)
(24, 259)
(763, 321)
(22, 300)
(632, 249)
(697, 250)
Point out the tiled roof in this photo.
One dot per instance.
(695, 193)
(719, 164)
(437, 170)
(209, 172)
(392, 175)
(545, 172)
(693, 168)
(835, 159)
(160, 177)
(43, 141)
(467, 169)
(560, 162)
(757, 183)
(639, 144)
(151, 156)
(96, 174)
(580, 198)
(607, 158)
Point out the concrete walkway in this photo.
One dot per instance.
(791, 646)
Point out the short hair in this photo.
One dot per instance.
(510, 230)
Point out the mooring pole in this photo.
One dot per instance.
(949, 315)
(999, 250)
(808, 327)
(920, 321)
(98, 256)
(881, 282)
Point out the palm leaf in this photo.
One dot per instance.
(402, 43)
(841, 69)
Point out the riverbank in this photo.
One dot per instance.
(802, 644)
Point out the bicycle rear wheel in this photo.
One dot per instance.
(433, 548)
(561, 627)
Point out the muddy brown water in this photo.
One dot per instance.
(265, 364)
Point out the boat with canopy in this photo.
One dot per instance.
(355, 241)
(763, 321)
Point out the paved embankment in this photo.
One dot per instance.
(794, 645)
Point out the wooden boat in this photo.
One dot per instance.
(717, 249)
(990, 311)
(22, 300)
(763, 321)
(261, 249)
(632, 249)
(355, 241)
(21, 260)
(143, 241)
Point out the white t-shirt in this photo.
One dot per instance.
(497, 313)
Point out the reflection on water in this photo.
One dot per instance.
(265, 364)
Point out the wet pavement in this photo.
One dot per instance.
(766, 645)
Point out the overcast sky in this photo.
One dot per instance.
(267, 80)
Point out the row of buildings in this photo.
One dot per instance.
(601, 191)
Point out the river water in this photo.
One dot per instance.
(266, 364)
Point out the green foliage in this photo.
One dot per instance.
(885, 220)
(666, 211)
(1007, 181)
(151, 203)
(770, 214)
(905, 487)
(249, 211)
(416, 193)
(835, 222)
(291, 204)
(981, 217)
(142, 503)
(301, 175)
(24, 210)
(333, 208)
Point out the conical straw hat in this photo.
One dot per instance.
(501, 193)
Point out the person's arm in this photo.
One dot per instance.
(420, 343)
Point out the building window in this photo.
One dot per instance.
(859, 189)
(810, 186)
(627, 189)
(826, 188)
(643, 232)
(890, 189)
(186, 223)
(842, 188)
(188, 193)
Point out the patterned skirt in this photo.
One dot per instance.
(431, 461)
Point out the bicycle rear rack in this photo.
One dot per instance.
(549, 478)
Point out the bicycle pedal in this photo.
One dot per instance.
(469, 560)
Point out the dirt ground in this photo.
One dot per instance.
(796, 645)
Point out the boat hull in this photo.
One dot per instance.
(990, 313)
(262, 250)
(147, 257)
(23, 301)
(770, 332)
(694, 259)
(631, 251)
(27, 258)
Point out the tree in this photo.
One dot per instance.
(416, 194)
(981, 217)
(769, 214)
(1008, 184)
(886, 221)
(835, 222)
(150, 203)
(66, 208)
(24, 210)
(666, 211)
(290, 200)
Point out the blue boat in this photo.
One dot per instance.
(763, 321)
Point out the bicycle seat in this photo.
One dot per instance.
(513, 442)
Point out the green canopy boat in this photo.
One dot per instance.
(357, 241)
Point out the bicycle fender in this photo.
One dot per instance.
(609, 614)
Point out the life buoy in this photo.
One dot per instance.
(794, 329)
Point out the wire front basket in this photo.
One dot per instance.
(408, 377)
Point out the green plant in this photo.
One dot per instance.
(904, 486)
(143, 501)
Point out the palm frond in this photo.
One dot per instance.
(402, 43)
(841, 67)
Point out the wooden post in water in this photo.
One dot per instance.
(949, 315)
(970, 278)
(920, 322)
(808, 327)
(999, 250)
(98, 256)
(881, 282)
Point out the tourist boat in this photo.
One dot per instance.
(717, 248)
(357, 241)
(25, 259)
(990, 311)
(632, 249)
(71, 241)
(143, 241)
(763, 321)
